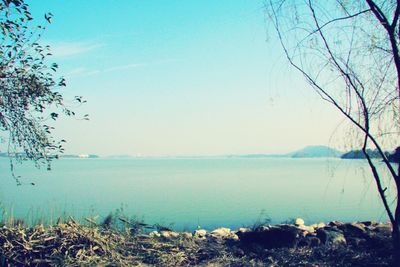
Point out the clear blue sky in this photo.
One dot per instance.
(196, 77)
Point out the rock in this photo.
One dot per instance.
(378, 240)
(223, 233)
(355, 241)
(263, 228)
(318, 225)
(310, 241)
(379, 236)
(314, 241)
(306, 229)
(243, 230)
(200, 233)
(370, 223)
(154, 234)
(169, 234)
(335, 223)
(186, 235)
(331, 236)
(271, 237)
(383, 228)
(299, 222)
(353, 229)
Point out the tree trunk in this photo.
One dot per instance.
(396, 245)
(396, 225)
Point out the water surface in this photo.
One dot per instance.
(207, 192)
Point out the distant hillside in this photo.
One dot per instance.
(358, 154)
(307, 152)
(316, 152)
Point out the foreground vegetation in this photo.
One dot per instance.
(69, 243)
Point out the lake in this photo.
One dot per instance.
(191, 192)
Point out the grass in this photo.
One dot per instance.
(69, 243)
(119, 240)
(122, 242)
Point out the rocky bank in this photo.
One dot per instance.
(70, 243)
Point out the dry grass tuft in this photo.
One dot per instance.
(72, 244)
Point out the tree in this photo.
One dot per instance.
(348, 51)
(29, 95)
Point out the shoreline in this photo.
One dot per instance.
(70, 243)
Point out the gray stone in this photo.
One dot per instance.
(335, 223)
(223, 233)
(370, 223)
(318, 225)
(200, 233)
(243, 230)
(355, 241)
(310, 241)
(306, 229)
(314, 241)
(186, 235)
(271, 237)
(383, 228)
(331, 236)
(169, 234)
(299, 222)
(354, 229)
(154, 234)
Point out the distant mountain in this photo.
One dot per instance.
(316, 152)
(358, 154)
(307, 152)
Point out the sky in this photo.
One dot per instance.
(179, 78)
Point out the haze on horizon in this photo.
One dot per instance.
(180, 78)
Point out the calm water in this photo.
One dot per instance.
(210, 192)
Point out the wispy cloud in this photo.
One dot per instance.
(84, 72)
(125, 67)
(67, 49)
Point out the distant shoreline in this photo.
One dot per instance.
(307, 152)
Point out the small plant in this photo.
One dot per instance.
(19, 223)
(108, 221)
(263, 219)
(134, 226)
